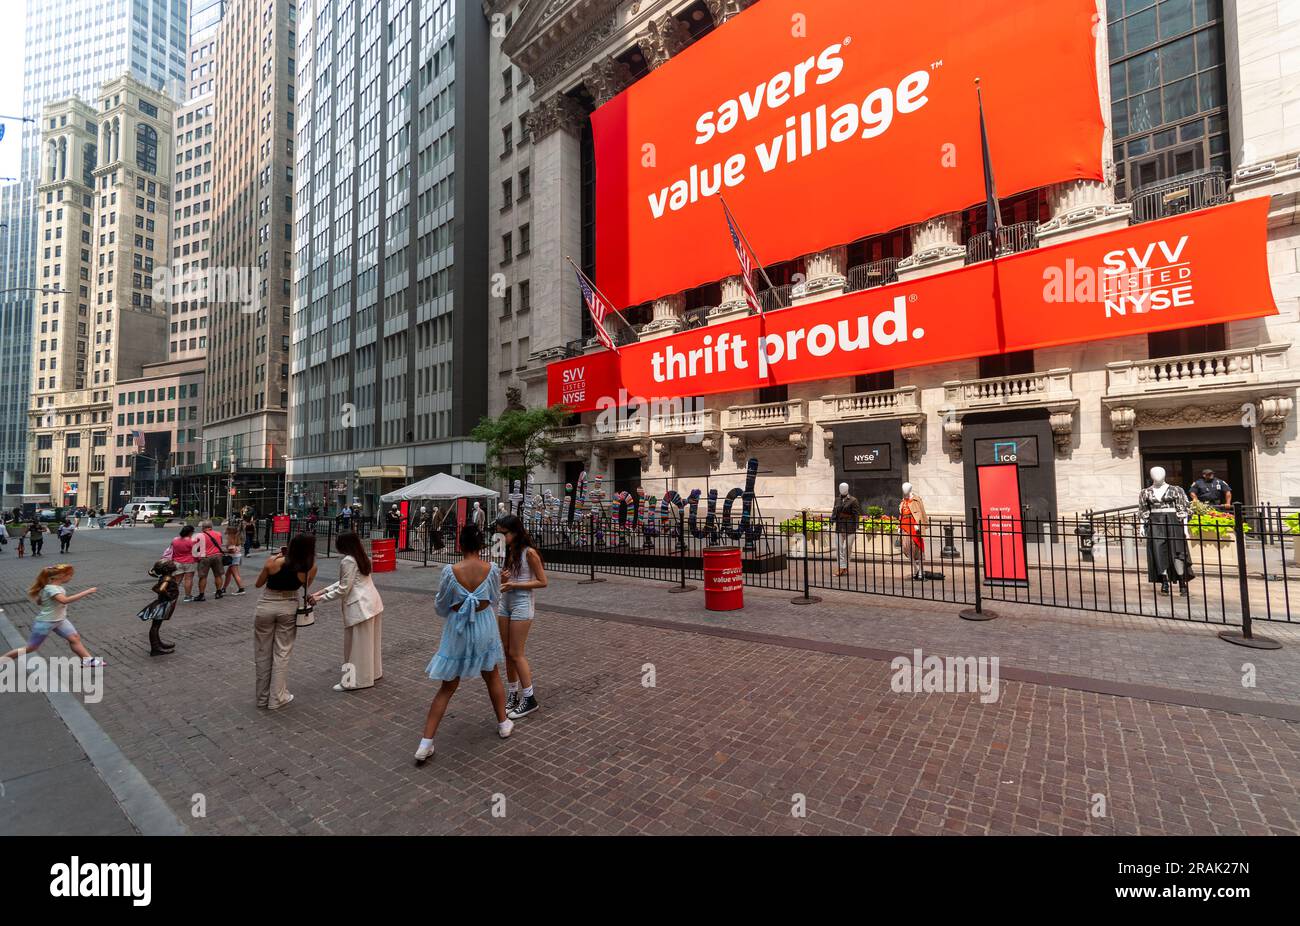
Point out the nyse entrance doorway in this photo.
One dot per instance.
(1025, 439)
(1184, 452)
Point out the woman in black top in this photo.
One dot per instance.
(275, 621)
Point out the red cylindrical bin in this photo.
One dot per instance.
(724, 579)
(383, 555)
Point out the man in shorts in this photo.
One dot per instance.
(208, 559)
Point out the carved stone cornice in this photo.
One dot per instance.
(567, 43)
(663, 37)
(556, 112)
(722, 10)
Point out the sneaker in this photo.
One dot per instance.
(423, 754)
(504, 728)
(512, 701)
(93, 662)
(240, 592)
(219, 595)
(198, 598)
(525, 707)
(188, 598)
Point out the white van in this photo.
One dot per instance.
(146, 509)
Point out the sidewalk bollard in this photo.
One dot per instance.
(977, 613)
(805, 598)
(949, 551)
(1244, 637)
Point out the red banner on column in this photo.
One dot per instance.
(1000, 524)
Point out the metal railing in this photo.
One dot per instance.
(1226, 568)
(877, 273)
(1012, 239)
(778, 297)
(1197, 190)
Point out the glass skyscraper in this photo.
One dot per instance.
(72, 47)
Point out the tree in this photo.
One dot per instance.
(518, 439)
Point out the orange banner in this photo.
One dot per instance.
(824, 122)
(1196, 269)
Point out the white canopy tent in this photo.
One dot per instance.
(439, 486)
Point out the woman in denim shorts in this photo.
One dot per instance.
(523, 573)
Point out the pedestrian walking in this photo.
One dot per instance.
(181, 552)
(49, 592)
(467, 594)
(4, 537)
(363, 615)
(233, 558)
(283, 579)
(522, 574)
(66, 530)
(208, 556)
(250, 531)
(162, 607)
(36, 535)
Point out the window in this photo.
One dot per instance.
(1168, 90)
(146, 148)
(1016, 363)
(874, 382)
(1203, 339)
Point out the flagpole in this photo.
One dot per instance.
(992, 204)
(592, 284)
(740, 231)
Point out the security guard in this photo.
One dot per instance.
(1210, 490)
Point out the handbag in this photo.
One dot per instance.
(305, 616)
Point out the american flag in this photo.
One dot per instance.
(597, 307)
(746, 262)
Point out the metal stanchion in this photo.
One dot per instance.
(1244, 637)
(977, 613)
(805, 598)
(681, 538)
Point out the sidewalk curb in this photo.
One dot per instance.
(143, 806)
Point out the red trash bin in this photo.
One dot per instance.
(383, 555)
(724, 579)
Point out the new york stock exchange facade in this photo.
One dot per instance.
(1139, 309)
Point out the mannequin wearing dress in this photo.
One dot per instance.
(1164, 511)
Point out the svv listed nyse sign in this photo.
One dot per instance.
(573, 386)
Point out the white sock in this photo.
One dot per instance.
(426, 743)
(527, 692)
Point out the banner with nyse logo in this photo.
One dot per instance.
(824, 122)
(1199, 268)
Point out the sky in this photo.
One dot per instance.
(11, 83)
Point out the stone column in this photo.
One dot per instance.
(826, 275)
(606, 79)
(666, 315)
(722, 10)
(936, 246)
(662, 38)
(555, 125)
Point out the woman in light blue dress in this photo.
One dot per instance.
(468, 594)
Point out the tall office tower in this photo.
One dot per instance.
(71, 48)
(252, 201)
(192, 206)
(104, 204)
(390, 308)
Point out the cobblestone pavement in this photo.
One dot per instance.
(751, 715)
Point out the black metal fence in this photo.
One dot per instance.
(1225, 567)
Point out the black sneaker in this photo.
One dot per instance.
(219, 594)
(525, 707)
(198, 598)
(512, 701)
(240, 592)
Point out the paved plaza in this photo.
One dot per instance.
(658, 717)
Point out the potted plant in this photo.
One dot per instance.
(878, 531)
(159, 521)
(1209, 526)
(1291, 524)
(818, 529)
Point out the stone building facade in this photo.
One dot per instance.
(105, 208)
(1088, 419)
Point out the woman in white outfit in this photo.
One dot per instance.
(363, 615)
